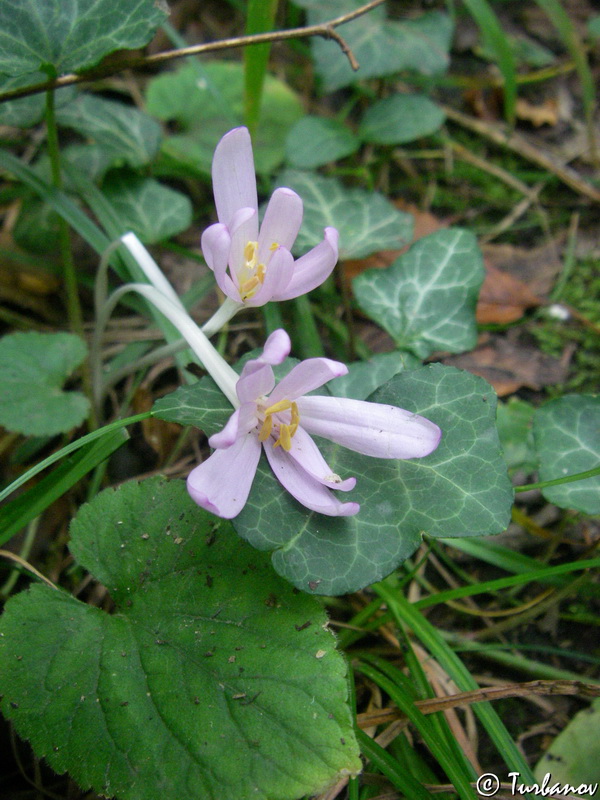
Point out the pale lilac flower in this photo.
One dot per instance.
(254, 266)
(281, 418)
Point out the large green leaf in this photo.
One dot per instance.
(129, 135)
(314, 141)
(152, 211)
(400, 118)
(366, 221)
(33, 368)
(208, 101)
(27, 111)
(213, 678)
(461, 489)
(426, 299)
(382, 46)
(567, 439)
(365, 376)
(70, 35)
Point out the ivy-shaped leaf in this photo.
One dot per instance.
(207, 101)
(426, 299)
(152, 211)
(213, 678)
(567, 439)
(129, 135)
(33, 368)
(314, 141)
(59, 37)
(367, 221)
(462, 489)
(381, 46)
(400, 118)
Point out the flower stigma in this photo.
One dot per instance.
(285, 430)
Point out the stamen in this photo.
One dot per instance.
(247, 287)
(285, 438)
(274, 247)
(282, 405)
(265, 429)
(250, 252)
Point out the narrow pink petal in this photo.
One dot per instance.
(242, 421)
(309, 457)
(281, 222)
(222, 483)
(254, 382)
(234, 181)
(244, 229)
(278, 274)
(277, 348)
(311, 269)
(373, 429)
(216, 244)
(307, 376)
(305, 488)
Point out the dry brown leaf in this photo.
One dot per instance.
(535, 266)
(509, 365)
(544, 114)
(503, 298)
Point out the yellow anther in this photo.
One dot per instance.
(247, 287)
(261, 271)
(285, 438)
(282, 405)
(250, 252)
(274, 246)
(265, 429)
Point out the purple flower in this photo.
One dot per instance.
(254, 266)
(281, 418)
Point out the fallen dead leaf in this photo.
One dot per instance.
(509, 364)
(545, 113)
(503, 298)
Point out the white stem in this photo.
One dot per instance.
(223, 375)
(150, 268)
(221, 317)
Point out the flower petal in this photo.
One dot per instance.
(277, 348)
(255, 382)
(216, 245)
(309, 457)
(311, 269)
(281, 222)
(278, 274)
(222, 483)
(373, 429)
(234, 181)
(244, 229)
(242, 421)
(306, 376)
(304, 487)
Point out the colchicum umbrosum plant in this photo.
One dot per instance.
(208, 670)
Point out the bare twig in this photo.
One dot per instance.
(518, 144)
(325, 29)
(560, 687)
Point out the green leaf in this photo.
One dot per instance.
(209, 101)
(365, 376)
(401, 118)
(37, 227)
(28, 111)
(461, 489)
(514, 428)
(129, 135)
(212, 679)
(67, 37)
(366, 221)
(314, 141)
(33, 368)
(573, 756)
(381, 46)
(567, 440)
(152, 211)
(426, 299)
